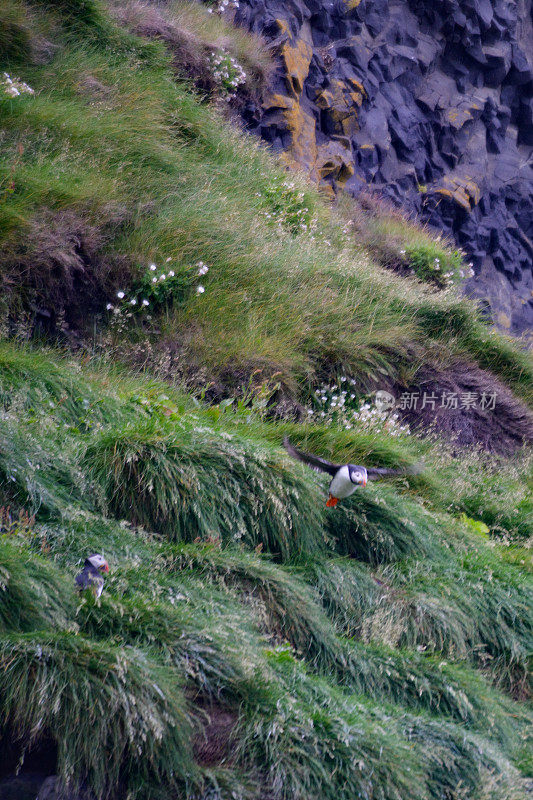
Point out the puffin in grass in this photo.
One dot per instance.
(91, 577)
(346, 478)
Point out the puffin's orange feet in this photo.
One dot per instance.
(332, 501)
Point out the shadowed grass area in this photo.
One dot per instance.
(313, 724)
(112, 712)
(193, 632)
(472, 607)
(283, 605)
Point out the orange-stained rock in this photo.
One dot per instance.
(283, 27)
(325, 99)
(278, 101)
(358, 86)
(303, 128)
(296, 57)
(341, 102)
(334, 161)
(461, 189)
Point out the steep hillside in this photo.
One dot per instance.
(174, 305)
(427, 104)
(372, 651)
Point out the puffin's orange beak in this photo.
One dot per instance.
(364, 481)
(106, 567)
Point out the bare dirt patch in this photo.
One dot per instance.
(500, 423)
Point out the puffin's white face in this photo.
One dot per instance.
(98, 562)
(358, 476)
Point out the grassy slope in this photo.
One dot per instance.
(437, 612)
(141, 172)
(390, 674)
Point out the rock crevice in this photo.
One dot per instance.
(429, 104)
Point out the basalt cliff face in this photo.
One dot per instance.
(428, 103)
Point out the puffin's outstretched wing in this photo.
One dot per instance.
(375, 473)
(315, 462)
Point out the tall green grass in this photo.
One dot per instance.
(34, 594)
(188, 483)
(146, 171)
(355, 649)
(113, 714)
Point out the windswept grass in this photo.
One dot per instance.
(380, 526)
(188, 483)
(141, 170)
(33, 593)
(112, 712)
(194, 633)
(305, 736)
(353, 652)
(475, 607)
(284, 605)
(36, 470)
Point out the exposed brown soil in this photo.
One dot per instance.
(212, 744)
(190, 54)
(62, 264)
(502, 429)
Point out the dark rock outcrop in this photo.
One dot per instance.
(430, 104)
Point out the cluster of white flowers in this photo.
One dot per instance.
(132, 302)
(448, 276)
(128, 304)
(333, 403)
(338, 405)
(224, 5)
(203, 269)
(425, 269)
(373, 420)
(14, 87)
(227, 71)
(467, 273)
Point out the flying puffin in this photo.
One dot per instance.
(91, 575)
(345, 477)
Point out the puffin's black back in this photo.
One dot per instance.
(89, 577)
